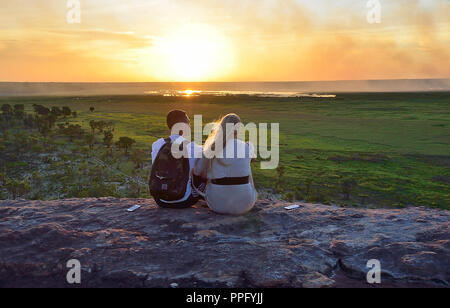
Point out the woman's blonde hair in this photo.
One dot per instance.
(221, 133)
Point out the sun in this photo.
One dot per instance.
(190, 92)
(196, 52)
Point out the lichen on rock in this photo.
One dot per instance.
(312, 246)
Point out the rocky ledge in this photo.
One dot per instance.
(311, 246)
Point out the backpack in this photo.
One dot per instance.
(169, 177)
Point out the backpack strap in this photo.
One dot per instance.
(182, 144)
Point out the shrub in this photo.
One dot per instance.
(74, 132)
(125, 143)
(66, 111)
(19, 111)
(3, 177)
(56, 111)
(108, 138)
(17, 188)
(138, 157)
(90, 140)
(299, 194)
(7, 110)
(280, 173)
(289, 196)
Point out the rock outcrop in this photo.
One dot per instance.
(312, 246)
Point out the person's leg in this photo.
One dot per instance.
(191, 201)
(180, 205)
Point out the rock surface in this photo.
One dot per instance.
(312, 246)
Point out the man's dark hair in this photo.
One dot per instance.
(177, 116)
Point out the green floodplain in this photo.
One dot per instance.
(366, 150)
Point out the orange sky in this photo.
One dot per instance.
(227, 40)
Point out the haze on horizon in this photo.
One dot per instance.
(223, 40)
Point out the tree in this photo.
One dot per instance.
(56, 111)
(93, 125)
(29, 121)
(19, 111)
(66, 111)
(41, 110)
(125, 143)
(6, 108)
(44, 111)
(74, 131)
(4, 128)
(51, 119)
(101, 126)
(110, 126)
(138, 157)
(44, 126)
(7, 111)
(108, 138)
(36, 108)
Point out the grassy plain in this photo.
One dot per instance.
(379, 149)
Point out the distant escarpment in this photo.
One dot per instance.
(311, 246)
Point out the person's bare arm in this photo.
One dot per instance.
(200, 168)
(251, 147)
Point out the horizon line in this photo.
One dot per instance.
(249, 81)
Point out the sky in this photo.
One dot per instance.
(223, 40)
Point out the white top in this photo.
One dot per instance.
(235, 163)
(229, 199)
(193, 150)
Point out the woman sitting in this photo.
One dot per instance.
(226, 166)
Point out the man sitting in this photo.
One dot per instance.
(170, 180)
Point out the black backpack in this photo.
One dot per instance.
(169, 176)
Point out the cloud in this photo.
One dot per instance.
(273, 40)
(124, 39)
(72, 55)
(411, 42)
